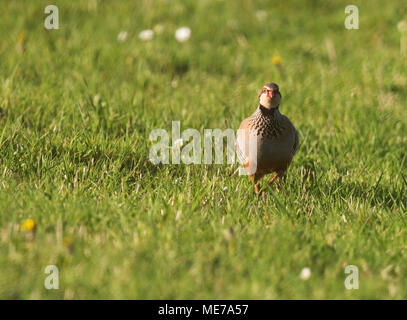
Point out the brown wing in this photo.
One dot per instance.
(294, 132)
(241, 140)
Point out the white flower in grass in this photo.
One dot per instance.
(178, 143)
(305, 273)
(122, 36)
(146, 35)
(96, 100)
(183, 34)
(402, 26)
(228, 234)
(158, 28)
(225, 189)
(261, 15)
(178, 215)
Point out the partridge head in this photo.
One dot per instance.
(270, 96)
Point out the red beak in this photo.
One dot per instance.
(270, 94)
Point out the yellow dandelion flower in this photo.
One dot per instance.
(276, 60)
(67, 241)
(21, 43)
(22, 37)
(27, 225)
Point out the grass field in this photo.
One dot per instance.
(79, 106)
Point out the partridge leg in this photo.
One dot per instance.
(280, 176)
(255, 183)
(274, 178)
(256, 188)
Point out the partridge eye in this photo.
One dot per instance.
(264, 90)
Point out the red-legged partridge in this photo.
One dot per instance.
(267, 140)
